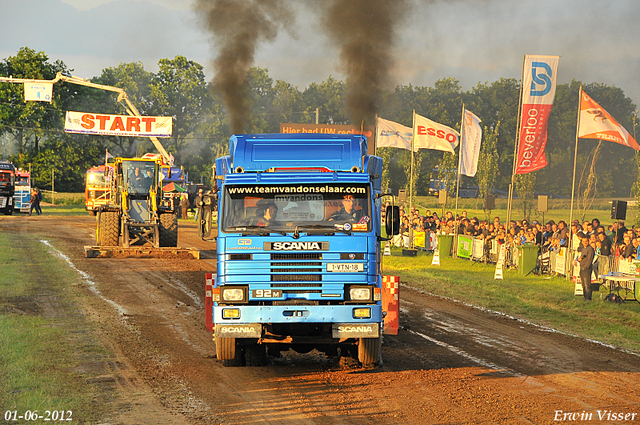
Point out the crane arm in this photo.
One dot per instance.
(122, 96)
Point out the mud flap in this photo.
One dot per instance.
(391, 304)
(208, 300)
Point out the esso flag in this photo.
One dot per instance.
(117, 125)
(539, 77)
(429, 134)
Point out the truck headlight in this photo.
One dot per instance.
(360, 293)
(233, 294)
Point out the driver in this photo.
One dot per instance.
(268, 215)
(137, 179)
(347, 213)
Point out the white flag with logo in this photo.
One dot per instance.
(390, 134)
(429, 134)
(470, 145)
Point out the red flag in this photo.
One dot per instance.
(596, 123)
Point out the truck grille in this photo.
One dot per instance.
(296, 277)
(298, 291)
(297, 256)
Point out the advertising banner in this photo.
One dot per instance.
(465, 246)
(38, 91)
(539, 77)
(117, 125)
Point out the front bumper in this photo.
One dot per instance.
(298, 314)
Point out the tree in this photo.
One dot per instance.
(135, 81)
(27, 123)
(525, 184)
(179, 90)
(488, 162)
(329, 96)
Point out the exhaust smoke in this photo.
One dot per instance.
(237, 27)
(365, 32)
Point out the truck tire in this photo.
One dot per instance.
(255, 354)
(168, 230)
(226, 350)
(109, 231)
(369, 351)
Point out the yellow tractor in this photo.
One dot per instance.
(137, 213)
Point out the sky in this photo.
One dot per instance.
(473, 41)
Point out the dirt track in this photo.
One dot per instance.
(450, 364)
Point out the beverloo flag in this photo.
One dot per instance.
(429, 134)
(470, 145)
(392, 135)
(538, 90)
(596, 123)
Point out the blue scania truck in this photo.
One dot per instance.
(298, 248)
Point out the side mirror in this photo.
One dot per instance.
(392, 220)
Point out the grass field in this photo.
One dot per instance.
(44, 337)
(544, 300)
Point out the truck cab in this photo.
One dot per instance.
(7, 187)
(22, 195)
(97, 188)
(298, 248)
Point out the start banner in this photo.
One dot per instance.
(539, 77)
(117, 125)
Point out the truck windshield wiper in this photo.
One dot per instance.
(263, 229)
(332, 228)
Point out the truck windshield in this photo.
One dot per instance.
(310, 207)
(139, 176)
(95, 178)
(22, 180)
(5, 176)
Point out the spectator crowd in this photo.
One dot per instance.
(614, 240)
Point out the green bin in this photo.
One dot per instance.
(444, 245)
(527, 258)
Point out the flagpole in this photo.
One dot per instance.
(375, 140)
(515, 149)
(573, 186)
(411, 167)
(411, 243)
(456, 221)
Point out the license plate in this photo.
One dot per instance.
(266, 293)
(345, 267)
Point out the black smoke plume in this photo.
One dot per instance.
(365, 32)
(238, 26)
